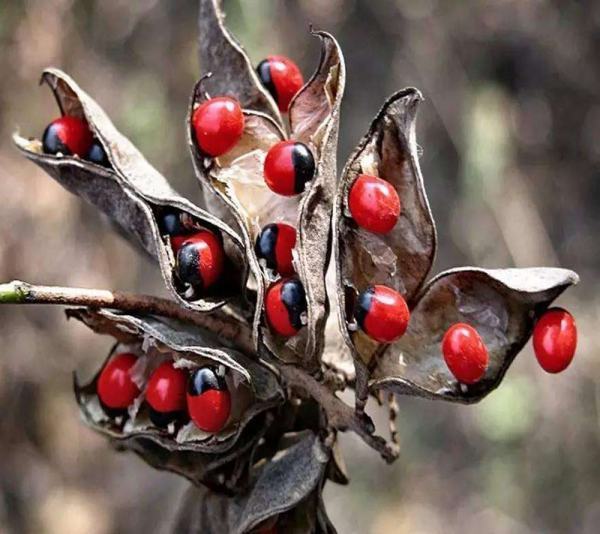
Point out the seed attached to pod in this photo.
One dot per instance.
(218, 125)
(116, 389)
(274, 245)
(166, 394)
(208, 400)
(555, 340)
(465, 353)
(382, 313)
(285, 307)
(289, 166)
(282, 78)
(200, 260)
(69, 136)
(97, 154)
(374, 204)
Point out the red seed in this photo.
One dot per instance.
(68, 135)
(282, 78)
(382, 313)
(289, 165)
(555, 340)
(465, 353)
(285, 305)
(208, 400)
(200, 260)
(166, 389)
(374, 204)
(115, 387)
(218, 125)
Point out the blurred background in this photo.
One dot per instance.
(511, 160)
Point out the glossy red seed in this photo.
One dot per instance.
(285, 305)
(68, 135)
(166, 389)
(210, 410)
(115, 387)
(374, 204)
(555, 340)
(465, 353)
(288, 167)
(200, 259)
(274, 245)
(382, 313)
(218, 125)
(286, 78)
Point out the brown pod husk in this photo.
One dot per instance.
(501, 304)
(139, 180)
(400, 259)
(254, 388)
(286, 490)
(225, 59)
(99, 187)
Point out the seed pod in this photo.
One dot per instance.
(254, 392)
(500, 305)
(286, 494)
(399, 257)
(137, 188)
(244, 200)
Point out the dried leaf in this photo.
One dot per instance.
(286, 489)
(400, 259)
(500, 304)
(254, 388)
(136, 182)
(225, 58)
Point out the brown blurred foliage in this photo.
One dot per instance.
(511, 162)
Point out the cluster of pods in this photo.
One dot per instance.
(373, 204)
(172, 395)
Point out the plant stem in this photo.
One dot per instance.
(219, 322)
(339, 415)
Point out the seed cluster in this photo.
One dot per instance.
(172, 395)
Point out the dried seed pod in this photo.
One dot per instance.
(500, 304)
(400, 258)
(243, 198)
(254, 390)
(285, 495)
(132, 192)
(224, 57)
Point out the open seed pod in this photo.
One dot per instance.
(252, 390)
(237, 191)
(400, 258)
(135, 195)
(501, 304)
(285, 496)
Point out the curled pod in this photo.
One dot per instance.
(384, 234)
(116, 178)
(153, 423)
(494, 311)
(285, 496)
(245, 201)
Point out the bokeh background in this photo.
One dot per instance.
(511, 159)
